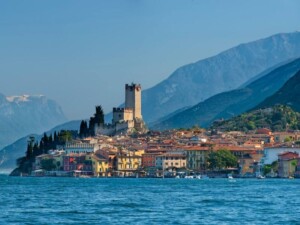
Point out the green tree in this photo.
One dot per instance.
(97, 119)
(221, 159)
(65, 136)
(288, 139)
(29, 152)
(270, 167)
(48, 164)
(83, 129)
(267, 169)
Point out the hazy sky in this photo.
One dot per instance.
(81, 53)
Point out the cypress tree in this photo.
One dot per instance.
(29, 152)
(55, 138)
(35, 149)
(82, 129)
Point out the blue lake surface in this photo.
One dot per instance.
(28, 200)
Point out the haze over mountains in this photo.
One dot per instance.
(23, 115)
(226, 71)
(228, 104)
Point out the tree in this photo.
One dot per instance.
(55, 137)
(83, 129)
(97, 119)
(48, 164)
(65, 136)
(221, 159)
(35, 150)
(288, 139)
(270, 167)
(29, 152)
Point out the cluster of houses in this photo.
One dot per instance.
(173, 152)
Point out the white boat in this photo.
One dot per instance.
(230, 176)
(260, 176)
(198, 177)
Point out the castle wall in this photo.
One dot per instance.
(125, 125)
(121, 114)
(105, 129)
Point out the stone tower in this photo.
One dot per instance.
(133, 99)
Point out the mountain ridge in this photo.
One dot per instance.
(288, 94)
(231, 103)
(195, 82)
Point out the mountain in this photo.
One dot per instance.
(265, 72)
(226, 71)
(232, 103)
(287, 95)
(275, 118)
(11, 153)
(22, 115)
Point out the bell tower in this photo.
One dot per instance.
(133, 99)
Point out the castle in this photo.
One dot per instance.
(127, 119)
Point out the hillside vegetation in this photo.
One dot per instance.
(277, 118)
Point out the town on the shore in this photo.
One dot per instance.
(126, 148)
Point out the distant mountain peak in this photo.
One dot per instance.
(21, 115)
(23, 98)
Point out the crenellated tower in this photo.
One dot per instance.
(133, 99)
(128, 119)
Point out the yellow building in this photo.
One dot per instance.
(100, 165)
(128, 164)
(139, 152)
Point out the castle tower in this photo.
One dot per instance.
(133, 99)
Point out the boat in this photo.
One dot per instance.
(260, 176)
(230, 178)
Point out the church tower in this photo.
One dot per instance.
(133, 99)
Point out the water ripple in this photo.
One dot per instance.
(148, 201)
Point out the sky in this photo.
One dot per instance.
(82, 53)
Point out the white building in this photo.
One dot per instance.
(79, 148)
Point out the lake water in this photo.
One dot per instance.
(148, 201)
